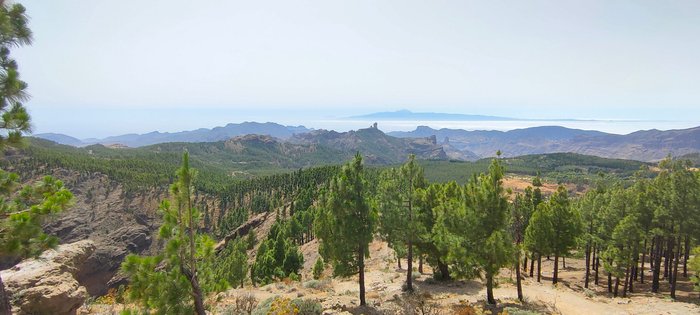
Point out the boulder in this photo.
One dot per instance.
(47, 284)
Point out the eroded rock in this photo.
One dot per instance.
(47, 284)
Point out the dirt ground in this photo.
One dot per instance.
(384, 281)
(384, 296)
(518, 183)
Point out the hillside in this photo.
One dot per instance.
(378, 147)
(199, 135)
(556, 167)
(118, 189)
(650, 145)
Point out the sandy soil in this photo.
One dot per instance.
(384, 296)
(518, 183)
(384, 280)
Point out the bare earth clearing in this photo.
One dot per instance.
(384, 280)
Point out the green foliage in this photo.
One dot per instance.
(695, 267)
(230, 267)
(345, 221)
(278, 257)
(319, 266)
(398, 202)
(555, 167)
(539, 232)
(308, 307)
(23, 209)
(168, 282)
(238, 185)
(232, 220)
(565, 221)
(14, 119)
(476, 230)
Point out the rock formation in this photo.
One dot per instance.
(47, 284)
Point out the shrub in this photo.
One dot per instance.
(282, 306)
(245, 304)
(318, 268)
(308, 307)
(317, 284)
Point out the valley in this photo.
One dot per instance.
(349, 157)
(117, 192)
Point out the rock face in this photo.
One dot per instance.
(47, 284)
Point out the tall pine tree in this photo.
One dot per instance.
(170, 281)
(345, 222)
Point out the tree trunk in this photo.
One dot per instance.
(517, 276)
(489, 289)
(556, 268)
(675, 269)
(525, 263)
(197, 295)
(588, 263)
(361, 267)
(409, 272)
(409, 259)
(686, 257)
(594, 261)
(651, 253)
(5, 308)
(563, 262)
(644, 254)
(398, 259)
(539, 265)
(610, 283)
(667, 261)
(532, 265)
(444, 270)
(420, 264)
(617, 286)
(656, 275)
(627, 281)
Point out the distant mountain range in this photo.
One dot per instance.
(429, 143)
(648, 145)
(199, 135)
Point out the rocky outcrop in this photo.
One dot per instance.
(252, 223)
(48, 284)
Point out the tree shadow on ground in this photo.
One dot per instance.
(468, 287)
(363, 310)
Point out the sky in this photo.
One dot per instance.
(107, 67)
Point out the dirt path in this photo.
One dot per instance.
(569, 302)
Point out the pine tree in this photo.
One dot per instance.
(434, 201)
(170, 282)
(488, 202)
(538, 233)
(22, 208)
(566, 226)
(477, 233)
(398, 209)
(345, 222)
(14, 32)
(318, 268)
(695, 267)
(519, 212)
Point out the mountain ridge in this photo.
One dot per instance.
(642, 145)
(198, 135)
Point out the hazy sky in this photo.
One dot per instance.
(105, 67)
